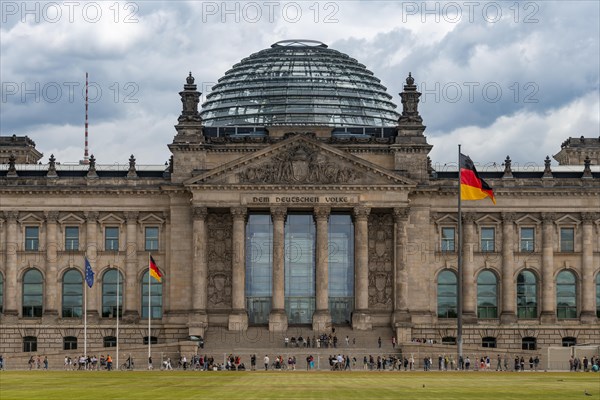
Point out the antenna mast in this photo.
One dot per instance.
(86, 159)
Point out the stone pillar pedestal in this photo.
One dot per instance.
(278, 321)
(403, 332)
(238, 318)
(51, 298)
(469, 288)
(10, 285)
(361, 320)
(401, 313)
(548, 314)
(197, 323)
(321, 321)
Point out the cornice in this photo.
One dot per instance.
(281, 188)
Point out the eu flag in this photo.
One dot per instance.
(89, 274)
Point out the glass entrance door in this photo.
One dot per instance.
(258, 310)
(300, 310)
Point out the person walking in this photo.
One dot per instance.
(266, 361)
(46, 363)
(379, 341)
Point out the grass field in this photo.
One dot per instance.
(297, 385)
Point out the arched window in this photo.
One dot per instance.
(597, 295)
(155, 297)
(110, 280)
(30, 344)
(33, 293)
(529, 343)
(526, 295)
(566, 295)
(1, 293)
(69, 343)
(72, 295)
(487, 295)
(447, 294)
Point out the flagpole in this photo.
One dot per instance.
(459, 268)
(149, 308)
(118, 281)
(85, 316)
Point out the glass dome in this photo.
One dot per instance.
(299, 82)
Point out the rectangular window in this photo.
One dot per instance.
(527, 240)
(567, 240)
(151, 238)
(72, 238)
(447, 239)
(32, 238)
(488, 239)
(111, 239)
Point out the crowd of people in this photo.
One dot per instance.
(576, 364)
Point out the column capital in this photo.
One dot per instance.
(509, 217)
(469, 217)
(200, 213)
(401, 214)
(361, 212)
(11, 216)
(278, 213)
(321, 213)
(131, 216)
(91, 216)
(51, 216)
(238, 213)
(588, 217)
(548, 217)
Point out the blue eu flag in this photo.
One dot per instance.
(89, 274)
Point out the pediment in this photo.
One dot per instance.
(300, 160)
(567, 220)
(31, 218)
(151, 219)
(446, 219)
(71, 218)
(528, 219)
(488, 220)
(111, 219)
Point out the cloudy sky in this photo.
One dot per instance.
(501, 78)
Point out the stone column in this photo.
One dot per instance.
(51, 281)
(92, 254)
(199, 319)
(361, 317)
(238, 319)
(401, 313)
(509, 299)
(548, 314)
(10, 283)
(588, 287)
(322, 316)
(131, 312)
(278, 318)
(468, 269)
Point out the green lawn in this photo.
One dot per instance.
(297, 385)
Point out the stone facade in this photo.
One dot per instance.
(199, 208)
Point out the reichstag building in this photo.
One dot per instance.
(297, 195)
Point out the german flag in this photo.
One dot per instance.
(472, 187)
(154, 271)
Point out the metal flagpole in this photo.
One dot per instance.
(459, 269)
(118, 281)
(85, 289)
(149, 308)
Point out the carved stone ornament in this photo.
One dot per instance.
(300, 164)
(219, 259)
(381, 242)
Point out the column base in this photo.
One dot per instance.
(508, 318)
(50, 317)
(548, 317)
(469, 317)
(400, 316)
(238, 321)
(321, 321)
(278, 321)
(588, 317)
(131, 317)
(197, 323)
(361, 321)
(403, 332)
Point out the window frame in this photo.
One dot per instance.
(72, 309)
(527, 308)
(151, 240)
(564, 245)
(71, 240)
(486, 248)
(446, 241)
(523, 240)
(568, 312)
(447, 314)
(31, 243)
(30, 344)
(488, 309)
(527, 342)
(489, 342)
(109, 241)
(70, 343)
(34, 311)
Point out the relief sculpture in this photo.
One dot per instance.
(380, 260)
(219, 260)
(300, 164)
